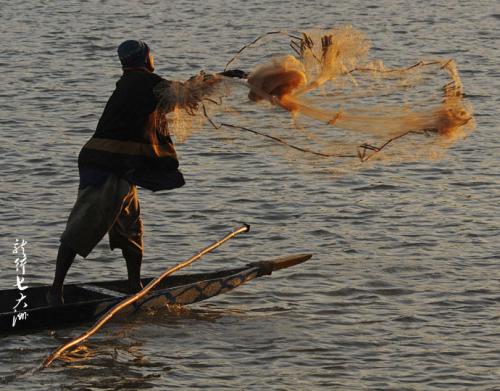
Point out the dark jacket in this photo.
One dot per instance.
(131, 139)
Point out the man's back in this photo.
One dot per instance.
(127, 113)
(131, 139)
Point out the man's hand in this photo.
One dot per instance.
(235, 73)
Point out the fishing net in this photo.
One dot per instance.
(341, 103)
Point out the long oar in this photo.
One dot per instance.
(108, 315)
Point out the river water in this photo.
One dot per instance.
(403, 291)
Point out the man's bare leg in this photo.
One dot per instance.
(65, 257)
(134, 261)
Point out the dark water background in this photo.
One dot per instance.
(404, 289)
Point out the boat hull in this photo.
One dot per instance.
(86, 302)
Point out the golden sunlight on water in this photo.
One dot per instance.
(403, 289)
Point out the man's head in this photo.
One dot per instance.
(135, 54)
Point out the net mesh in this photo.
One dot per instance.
(341, 103)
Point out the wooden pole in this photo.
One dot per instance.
(132, 299)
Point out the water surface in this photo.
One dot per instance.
(403, 290)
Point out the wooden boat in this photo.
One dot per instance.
(87, 301)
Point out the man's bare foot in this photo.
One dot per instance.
(134, 288)
(54, 298)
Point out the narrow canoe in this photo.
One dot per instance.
(86, 302)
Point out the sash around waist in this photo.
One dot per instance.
(131, 147)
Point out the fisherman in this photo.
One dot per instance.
(130, 147)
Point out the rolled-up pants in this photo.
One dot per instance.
(111, 207)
